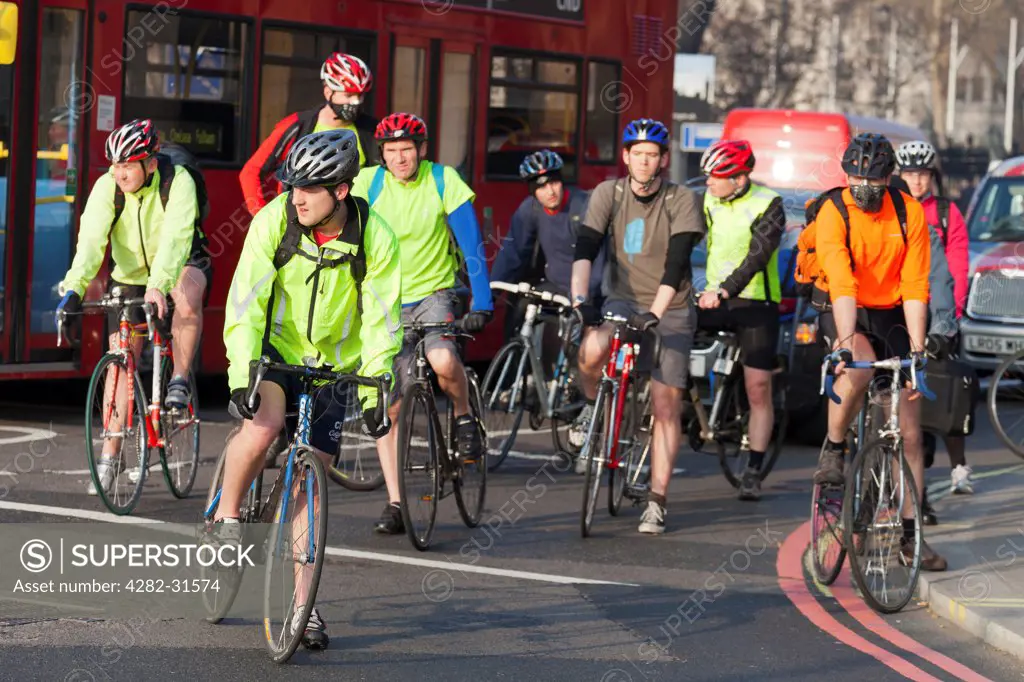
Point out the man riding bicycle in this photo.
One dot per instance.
(156, 249)
(651, 226)
(297, 298)
(425, 204)
(346, 80)
(876, 271)
(745, 222)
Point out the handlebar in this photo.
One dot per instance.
(654, 332)
(258, 370)
(917, 381)
(526, 290)
(112, 301)
(447, 328)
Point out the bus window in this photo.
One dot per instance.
(8, 32)
(534, 104)
(189, 78)
(407, 80)
(290, 70)
(604, 102)
(456, 110)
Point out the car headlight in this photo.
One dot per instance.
(806, 334)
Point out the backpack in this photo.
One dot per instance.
(289, 247)
(169, 156)
(942, 205)
(807, 269)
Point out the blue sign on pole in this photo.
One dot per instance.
(696, 137)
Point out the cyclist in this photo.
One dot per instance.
(917, 168)
(416, 198)
(651, 226)
(346, 80)
(745, 222)
(333, 321)
(878, 289)
(156, 250)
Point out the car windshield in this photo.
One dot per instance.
(793, 203)
(998, 214)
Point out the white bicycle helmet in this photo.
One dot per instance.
(134, 141)
(917, 155)
(325, 159)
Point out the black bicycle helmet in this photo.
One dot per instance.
(869, 155)
(325, 159)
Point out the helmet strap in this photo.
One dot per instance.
(334, 211)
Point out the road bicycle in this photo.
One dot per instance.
(428, 456)
(289, 547)
(722, 416)
(1005, 402)
(118, 415)
(619, 434)
(514, 382)
(879, 491)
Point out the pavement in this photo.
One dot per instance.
(723, 595)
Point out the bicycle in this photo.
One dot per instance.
(726, 425)
(622, 421)
(878, 484)
(513, 381)
(424, 448)
(115, 387)
(302, 473)
(1006, 389)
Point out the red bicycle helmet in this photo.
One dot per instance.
(401, 126)
(346, 73)
(727, 158)
(133, 141)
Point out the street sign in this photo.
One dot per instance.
(696, 137)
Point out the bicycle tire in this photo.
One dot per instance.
(169, 429)
(877, 453)
(141, 436)
(780, 423)
(469, 510)
(637, 427)
(352, 435)
(732, 458)
(991, 402)
(593, 452)
(495, 379)
(417, 394)
(305, 459)
(826, 557)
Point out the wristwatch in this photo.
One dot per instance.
(578, 300)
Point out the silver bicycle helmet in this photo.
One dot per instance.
(917, 155)
(323, 159)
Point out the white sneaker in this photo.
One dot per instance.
(133, 474)
(578, 429)
(960, 480)
(106, 471)
(652, 521)
(581, 465)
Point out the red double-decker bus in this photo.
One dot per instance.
(494, 79)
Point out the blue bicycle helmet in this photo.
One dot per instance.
(645, 130)
(540, 163)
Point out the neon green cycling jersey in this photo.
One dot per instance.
(320, 127)
(730, 226)
(415, 214)
(313, 318)
(149, 246)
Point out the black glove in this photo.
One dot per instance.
(239, 408)
(68, 313)
(643, 321)
(476, 321)
(373, 422)
(589, 314)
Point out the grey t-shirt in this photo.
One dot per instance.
(640, 232)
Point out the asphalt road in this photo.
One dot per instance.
(721, 596)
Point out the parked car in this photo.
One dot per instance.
(993, 322)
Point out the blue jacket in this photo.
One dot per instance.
(556, 236)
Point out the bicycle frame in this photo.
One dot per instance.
(724, 366)
(617, 374)
(422, 376)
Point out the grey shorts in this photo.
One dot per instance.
(677, 328)
(438, 307)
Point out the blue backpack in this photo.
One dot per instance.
(377, 184)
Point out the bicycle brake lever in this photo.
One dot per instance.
(60, 329)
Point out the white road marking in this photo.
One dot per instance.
(27, 434)
(334, 551)
(85, 472)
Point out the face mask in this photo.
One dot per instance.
(345, 112)
(868, 197)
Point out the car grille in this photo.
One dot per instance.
(994, 295)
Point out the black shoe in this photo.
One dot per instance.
(390, 522)
(467, 435)
(315, 636)
(928, 514)
(750, 484)
(830, 468)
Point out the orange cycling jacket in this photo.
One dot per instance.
(259, 169)
(884, 271)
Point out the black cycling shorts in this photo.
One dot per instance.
(199, 257)
(756, 325)
(885, 328)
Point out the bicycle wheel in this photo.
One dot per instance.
(124, 426)
(877, 489)
(295, 556)
(1005, 402)
(504, 398)
(634, 444)
(471, 482)
(731, 430)
(355, 465)
(419, 470)
(827, 548)
(593, 453)
(780, 422)
(179, 457)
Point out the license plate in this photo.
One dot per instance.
(698, 365)
(999, 345)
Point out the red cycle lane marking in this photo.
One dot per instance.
(867, 617)
(789, 567)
